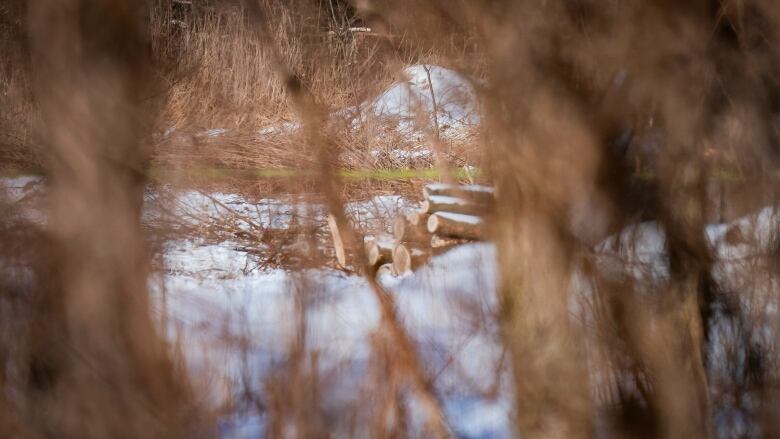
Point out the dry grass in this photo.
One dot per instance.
(220, 76)
(588, 107)
(17, 142)
(212, 73)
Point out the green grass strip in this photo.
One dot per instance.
(389, 174)
(347, 174)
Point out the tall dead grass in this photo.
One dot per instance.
(17, 142)
(212, 73)
(220, 76)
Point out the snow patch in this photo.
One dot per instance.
(215, 132)
(404, 154)
(408, 107)
(278, 128)
(454, 96)
(235, 327)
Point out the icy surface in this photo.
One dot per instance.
(639, 251)
(236, 324)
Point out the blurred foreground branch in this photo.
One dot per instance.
(97, 367)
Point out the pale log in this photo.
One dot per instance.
(443, 203)
(440, 244)
(456, 225)
(399, 228)
(417, 218)
(477, 194)
(368, 242)
(406, 232)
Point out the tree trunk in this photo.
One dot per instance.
(98, 365)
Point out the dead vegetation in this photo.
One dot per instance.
(216, 97)
(596, 116)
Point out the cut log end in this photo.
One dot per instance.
(444, 203)
(373, 255)
(402, 260)
(407, 259)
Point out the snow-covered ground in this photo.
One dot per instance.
(279, 213)
(448, 308)
(444, 97)
(639, 250)
(235, 324)
(236, 329)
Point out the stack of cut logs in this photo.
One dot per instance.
(449, 215)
